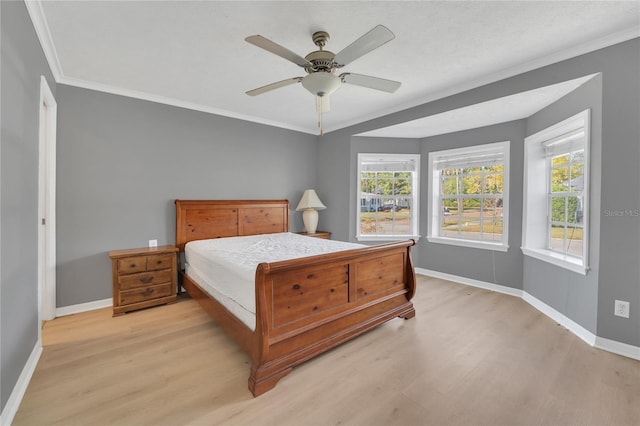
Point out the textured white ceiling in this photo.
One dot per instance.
(495, 111)
(193, 53)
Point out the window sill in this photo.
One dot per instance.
(387, 237)
(557, 259)
(469, 243)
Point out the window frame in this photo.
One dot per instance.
(434, 217)
(536, 220)
(415, 196)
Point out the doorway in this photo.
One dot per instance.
(47, 204)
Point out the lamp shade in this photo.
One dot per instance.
(309, 201)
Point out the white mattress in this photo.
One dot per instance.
(226, 267)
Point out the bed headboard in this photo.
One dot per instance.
(206, 219)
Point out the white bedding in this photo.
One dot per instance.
(226, 267)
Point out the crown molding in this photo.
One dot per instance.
(36, 13)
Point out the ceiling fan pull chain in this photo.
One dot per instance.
(320, 123)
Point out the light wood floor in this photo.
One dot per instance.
(469, 357)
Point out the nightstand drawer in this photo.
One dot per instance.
(160, 261)
(146, 293)
(144, 279)
(132, 265)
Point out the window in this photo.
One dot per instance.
(556, 207)
(469, 196)
(388, 196)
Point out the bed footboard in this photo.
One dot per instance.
(307, 306)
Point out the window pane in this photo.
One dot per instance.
(472, 184)
(574, 241)
(577, 156)
(367, 223)
(574, 209)
(493, 183)
(556, 238)
(449, 185)
(471, 207)
(470, 229)
(367, 185)
(450, 206)
(560, 159)
(492, 230)
(492, 207)
(384, 185)
(576, 182)
(558, 209)
(450, 219)
(402, 186)
(560, 179)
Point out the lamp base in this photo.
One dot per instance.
(310, 219)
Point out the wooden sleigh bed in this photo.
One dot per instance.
(335, 297)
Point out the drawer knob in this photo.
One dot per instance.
(146, 280)
(147, 292)
(296, 286)
(159, 262)
(133, 265)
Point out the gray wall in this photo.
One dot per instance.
(620, 236)
(617, 276)
(122, 162)
(572, 294)
(503, 268)
(22, 62)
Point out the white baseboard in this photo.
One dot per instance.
(623, 349)
(561, 319)
(588, 337)
(471, 282)
(13, 403)
(84, 307)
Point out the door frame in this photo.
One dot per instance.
(47, 204)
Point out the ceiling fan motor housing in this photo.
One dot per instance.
(322, 60)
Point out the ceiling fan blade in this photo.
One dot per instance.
(273, 86)
(365, 44)
(276, 49)
(370, 82)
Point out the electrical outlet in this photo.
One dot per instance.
(153, 243)
(622, 309)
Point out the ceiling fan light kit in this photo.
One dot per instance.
(320, 65)
(321, 83)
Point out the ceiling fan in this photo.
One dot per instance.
(321, 64)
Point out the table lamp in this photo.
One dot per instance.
(310, 203)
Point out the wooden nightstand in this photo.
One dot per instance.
(143, 277)
(319, 234)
